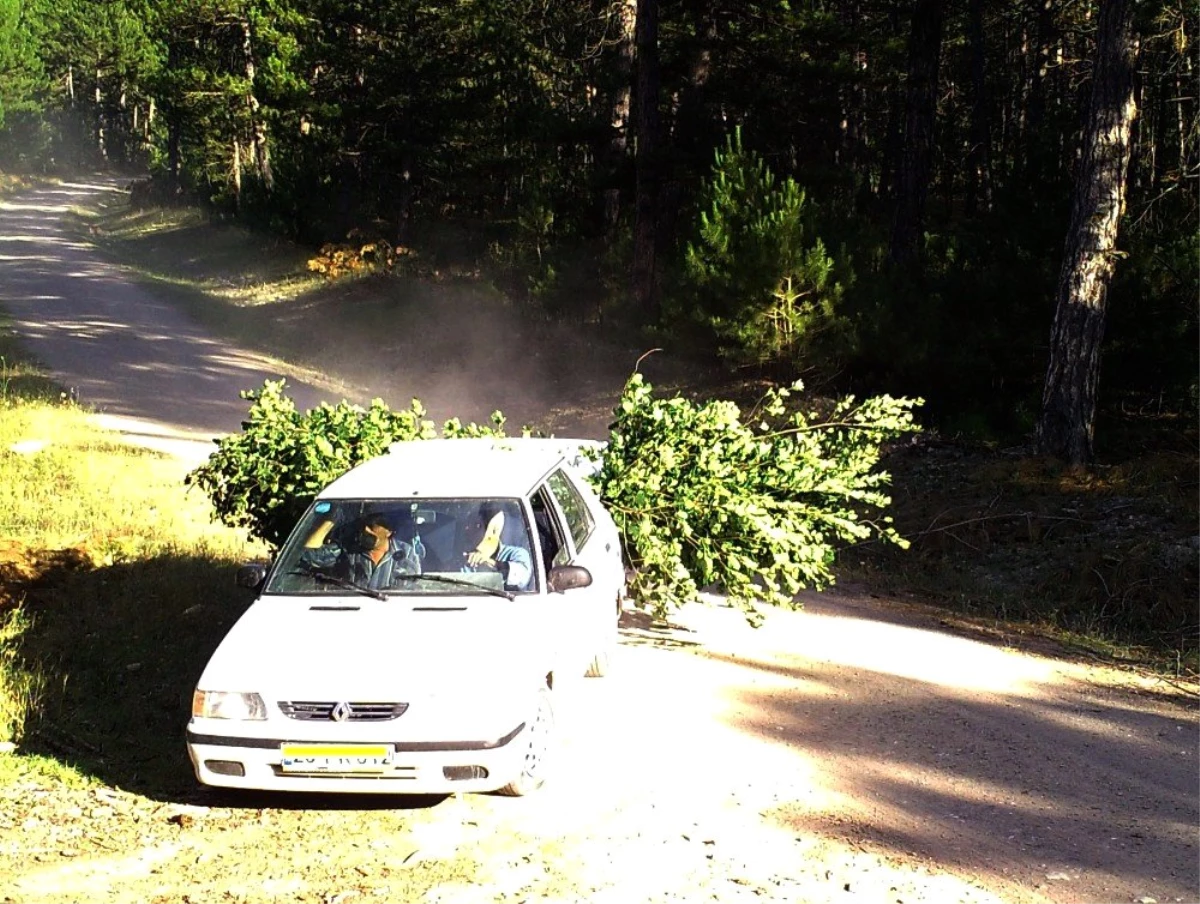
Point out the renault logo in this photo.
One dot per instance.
(341, 712)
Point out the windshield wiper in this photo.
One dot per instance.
(457, 582)
(327, 578)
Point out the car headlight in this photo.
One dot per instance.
(228, 705)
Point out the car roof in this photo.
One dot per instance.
(472, 468)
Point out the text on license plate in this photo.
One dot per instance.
(336, 757)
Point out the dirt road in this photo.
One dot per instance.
(855, 751)
(152, 372)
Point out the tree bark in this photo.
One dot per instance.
(979, 160)
(625, 12)
(1182, 119)
(101, 138)
(236, 176)
(893, 142)
(647, 124)
(404, 199)
(853, 99)
(1034, 113)
(690, 139)
(174, 158)
(260, 149)
(1067, 423)
(916, 164)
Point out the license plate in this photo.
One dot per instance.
(337, 758)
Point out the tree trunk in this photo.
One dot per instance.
(1067, 422)
(852, 96)
(237, 176)
(979, 162)
(924, 52)
(173, 156)
(260, 149)
(625, 12)
(692, 132)
(1035, 101)
(101, 139)
(893, 142)
(691, 137)
(404, 198)
(1181, 98)
(645, 230)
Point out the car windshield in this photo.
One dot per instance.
(384, 547)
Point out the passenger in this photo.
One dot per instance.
(486, 550)
(370, 555)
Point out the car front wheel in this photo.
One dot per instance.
(538, 739)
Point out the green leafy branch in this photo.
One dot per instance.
(703, 498)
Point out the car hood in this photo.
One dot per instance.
(356, 649)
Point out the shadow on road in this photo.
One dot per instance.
(983, 760)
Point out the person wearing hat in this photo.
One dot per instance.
(370, 554)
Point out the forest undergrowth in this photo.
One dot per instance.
(1103, 560)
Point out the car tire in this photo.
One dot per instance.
(538, 739)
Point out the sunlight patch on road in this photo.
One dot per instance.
(188, 446)
(109, 184)
(917, 654)
(83, 328)
(35, 208)
(650, 744)
(923, 655)
(1101, 725)
(42, 240)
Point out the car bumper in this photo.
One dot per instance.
(417, 768)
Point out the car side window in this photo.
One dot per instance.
(554, 547)
(579, 520)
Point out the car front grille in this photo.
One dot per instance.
(327, 711)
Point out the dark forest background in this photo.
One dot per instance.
(869, 194)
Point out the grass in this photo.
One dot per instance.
(22, 685)
(66, 483)
(115, 585)
(39, 771)
(11, 182)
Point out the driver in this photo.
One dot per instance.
(487, 551)
(371, 554)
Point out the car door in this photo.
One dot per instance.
(589, 543)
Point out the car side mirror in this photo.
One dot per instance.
(251, 576)
(568, 577)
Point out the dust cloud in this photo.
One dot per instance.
(464, 354)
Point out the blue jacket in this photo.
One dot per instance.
(401, 558)
(515, 564)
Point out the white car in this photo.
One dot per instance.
(410, 634)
